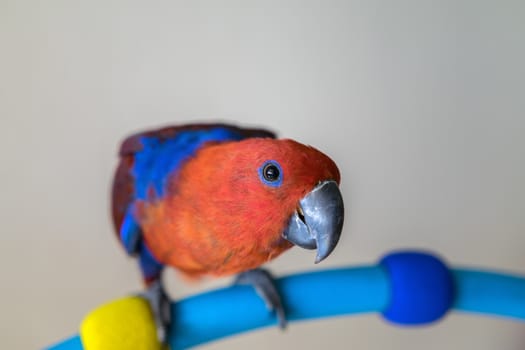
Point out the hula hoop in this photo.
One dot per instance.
(346, 291)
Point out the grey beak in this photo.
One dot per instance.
(318, 221)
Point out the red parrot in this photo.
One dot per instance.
(216, 199)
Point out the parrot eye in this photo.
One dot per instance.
(271, 173)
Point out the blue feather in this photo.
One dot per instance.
(150, 267)
(130, 233)
(160, 159)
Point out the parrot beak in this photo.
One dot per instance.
(318, 220)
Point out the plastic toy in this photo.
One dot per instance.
(407, 288)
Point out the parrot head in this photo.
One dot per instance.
(263, 195)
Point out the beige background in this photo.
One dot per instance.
(421, 103)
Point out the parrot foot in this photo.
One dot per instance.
(264, 285)
(160, 306)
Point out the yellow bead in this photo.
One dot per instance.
(123, 324)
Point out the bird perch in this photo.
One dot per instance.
(396, 288)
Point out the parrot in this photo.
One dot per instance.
(221, 200)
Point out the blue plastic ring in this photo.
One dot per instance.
(422, 288)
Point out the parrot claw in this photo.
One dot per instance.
(160, 306)
(264, 285)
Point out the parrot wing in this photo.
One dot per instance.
(148, 158)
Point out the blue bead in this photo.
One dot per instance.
(422, 288)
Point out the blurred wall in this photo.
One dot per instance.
(421, 103)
